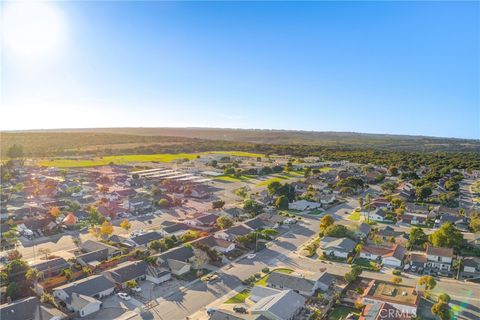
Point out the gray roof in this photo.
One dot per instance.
(25, 309)
(144, 239)
(259, 292)
(326, 278)
(283, 305)
(182, 253)
(337, 244)
(51, 266)
(255, 223)
(176, 227)
(364, 228)
(91, 245)
(238, 230)
(128, 271)
(290, 281)
(79, 301)
(88, 286)
(98, 255)
(176, 264)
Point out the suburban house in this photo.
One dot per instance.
(471, 267)
(384, 310)
(222, 246)
(337, 247)
(439, 258)
(232, 233)
(143, 240)
(418, 259)
(256, 224)
(414, 218)
(363, 230)
(29, 309)
(158, 275)
(399, 296)
(303, 205)
(390, 256)
(127, 271)
(93, 259)
(203, 221)
(285, 305)
(52, 267)
(299, 283)
(377, 215)
(325, 199)
(90, 245)
(177, 230)
(97, 286)
(177, 260)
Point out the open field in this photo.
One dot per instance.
(123, 159)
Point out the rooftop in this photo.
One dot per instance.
(394, 293)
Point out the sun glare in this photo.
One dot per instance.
(32, 29)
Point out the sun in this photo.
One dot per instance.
(31, 29)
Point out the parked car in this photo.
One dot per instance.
(210, 311)
(406, 267)
(251, 256)
(137, 289)
(124, 296)
(240, 309)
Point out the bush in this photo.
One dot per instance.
(257, 275)
(396, 272)
(266, 270)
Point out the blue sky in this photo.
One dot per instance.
(377, 67)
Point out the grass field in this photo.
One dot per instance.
(354, 216)
(124, 159)
(231, 178)
(341, 312)
(263, 281)
(239, 297)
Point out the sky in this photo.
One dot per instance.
(373, 67)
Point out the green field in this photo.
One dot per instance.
(231, 178)
(354, 216)
(341, 312)
(263, 281)
(239, 297)
(124, 159)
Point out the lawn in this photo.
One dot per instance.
(263, 281)
(236, 153)
(232, 178)
(268, 181)
(239, 297)
(354, 216)
(341, 313)
(71, 163)
(316, 212)
(164, 157)
(366, 264)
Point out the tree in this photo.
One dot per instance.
(475, 224)
(423, 192)
(11, 236)
(417, 237)
(218, 204)
(14, 255)
(125, 224)
(442, 310)
(444, 298)
(94, 217)
(87, 271)
(33, 275)
(337, 231)
(189, 236)
(15, 151)
(326, 221)
(163, 203)
(252, 207)
(447, 236)
(360, 202)
(273, 187)
(428, 281)
(393, 171)
(131, 284)
(397, 280)
(54, 212)
(13, 290)
(451, 185)
(16, 270)
(281, 203)
(45, 251)
(106, 229)
(68, 273)
(156, 245)
(224, 222)
(353, 274)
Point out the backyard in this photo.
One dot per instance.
(341, 312)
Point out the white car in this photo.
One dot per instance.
(124, 296)
(251, 256)
(137, 289)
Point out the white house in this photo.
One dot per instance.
(84, 305)
(338, 247)
(303, 205)
(391, 256)
(376, 215)
(439, 258)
